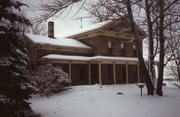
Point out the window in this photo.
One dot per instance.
(109, 44)
(122, 49)
(134, 50)
(109, 47)
(122, 45)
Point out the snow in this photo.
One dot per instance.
(93, 101)
(113, 58)
(21, 53)
(44, 40)
(85, 58)
(88, 28)
(65, 57)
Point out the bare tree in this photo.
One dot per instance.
(55, 8)
(149, 84)
(166, 12)
(35, 27)
(174, 64)
(39, 28)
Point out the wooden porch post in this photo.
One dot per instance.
(127, 77)
(89, 72)
(70, 70)
(138, 73)
(114, 72)
(100, 78)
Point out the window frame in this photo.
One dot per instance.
(110, 50)
(134, 50)
(122, 48)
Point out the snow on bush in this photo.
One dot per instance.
(48, 78)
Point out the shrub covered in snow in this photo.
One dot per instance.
(48, 78)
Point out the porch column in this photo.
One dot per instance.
(69, 70)
(114, 72)
(100, 78)
(89, 72)
(127, 77)
(138, 73)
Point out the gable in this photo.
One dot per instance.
(123, 26)
(117, 28)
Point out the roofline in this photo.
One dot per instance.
(91, 60)
(75, 36)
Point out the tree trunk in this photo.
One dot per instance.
(151, 43)
(149, 85)
(161, 40)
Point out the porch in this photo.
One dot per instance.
(98, 69)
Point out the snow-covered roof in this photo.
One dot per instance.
(88, 28)
(113, 58)
(67, 42)
(85, 58)
(92, 58)
(65, 57)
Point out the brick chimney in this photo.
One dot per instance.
(51, 29)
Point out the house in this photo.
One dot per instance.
(104, 53)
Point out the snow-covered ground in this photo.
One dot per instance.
(93, 101)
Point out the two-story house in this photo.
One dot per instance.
(104, 53)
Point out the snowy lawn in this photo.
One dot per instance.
(93, 101)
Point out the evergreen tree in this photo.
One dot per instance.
(15, 89)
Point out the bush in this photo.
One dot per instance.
(48, 78)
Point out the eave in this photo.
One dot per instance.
(90, 60)
(97, 32)
(64, 61)
(64, 49)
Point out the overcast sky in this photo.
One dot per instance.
(63, 25)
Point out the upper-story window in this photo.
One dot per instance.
(109, 47)
(134, 50)
(122, 46)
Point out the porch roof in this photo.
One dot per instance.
(56, 58)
